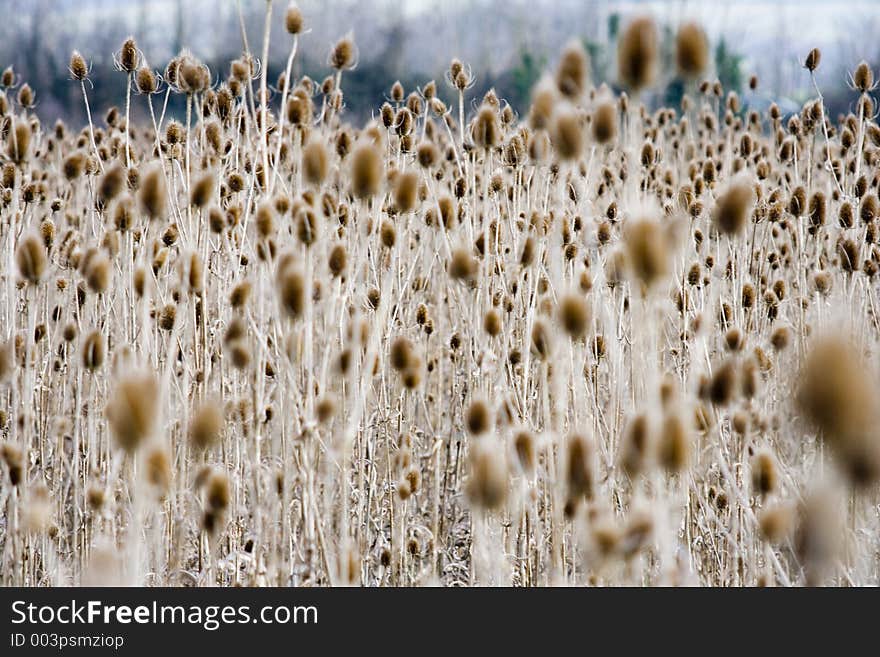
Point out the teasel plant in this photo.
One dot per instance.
(601, 343)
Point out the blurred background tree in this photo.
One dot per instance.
(508, 44)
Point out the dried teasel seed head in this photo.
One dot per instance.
(487, 486)
(132, 409)
(604, 124)
(206, 425)
(486, 129)
(580, 469)
(462, 266)
(733, 208)
(128, 57)
(674, 446)
(572, 74)
(367, 171)
(203, 190)
(478, 418)
(401, 353)
(574, 315)
(344, 53)
(691, 50)
(811, 63)
(765, 475)
(863, 77)
(648, 252)
(637, 53)
(315, 162)
(293, 19)
(338, 260)
(111, 184)
(292, 292)
(146, 81)
(526, 452)
(568, 134)
(18, 141)
(94, 351)
(637, 449)
(30, 258)
(79, 70)
(406, 192)
(152, 193)
(835, 392)
(14, 459)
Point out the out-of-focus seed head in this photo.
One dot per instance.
(733, 208)
(344, 53)
(79, 70)
(293, 19)
(691, 50)
(132, 409)
(367, 170)
(637, 53)
(572, 75)
(30, 257)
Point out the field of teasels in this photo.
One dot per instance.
(595, 344)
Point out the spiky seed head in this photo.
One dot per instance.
(487, 487)
(573, 72)
(486, 129)
(733, 208)
(128, 58)
(491, 323)
(111, 185)
(691, 50)
(152, 194)
(863, 77)
(638, 446)
(541, 340)
(315, 162)
(18, 141)
(338, 260)
(293, 19)
(811, 63)
(765, 475)
(478, 418)
(206, 425)
(292, 292)
(367, 170)
(574, 315)
(524, 445)
(462, 266)
(26, 96)
(145, 81)
(568, 133)
(604, 124)
(637, 52)
(406, 190)
(93, 351)
(836, 394)
(776, 523)
(132, 409)
(344, 53)
(580, 468)
(647, 251)
(674, 447)
(79, 70)
(426, 154)
(30, 257)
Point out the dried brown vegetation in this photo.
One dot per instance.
(602, 345)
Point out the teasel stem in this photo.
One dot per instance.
(283, 116)
(264, 119)
(91, 125)
(128, 78)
